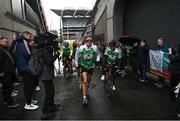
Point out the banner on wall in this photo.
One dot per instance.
(159, 63)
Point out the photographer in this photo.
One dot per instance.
(47, 75)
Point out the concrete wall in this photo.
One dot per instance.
(119, 18)
(101, 7)
(144, 19)
(110, 17)
(101, 26)
(106, 20)
(10, 23)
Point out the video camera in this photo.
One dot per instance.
(45, 39)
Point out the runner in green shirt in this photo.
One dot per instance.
(86, 55)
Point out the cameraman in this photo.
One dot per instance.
(47, 77)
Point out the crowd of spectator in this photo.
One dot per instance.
(14, 65)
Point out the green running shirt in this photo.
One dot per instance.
(87, 56)
(112, 55)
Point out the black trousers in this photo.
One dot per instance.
(135, 69)
(36, 81)
(29, 85)
(105, 69)
(7, 82)
(174, 81)
(178, 104)
(49, 96)
(15, 79)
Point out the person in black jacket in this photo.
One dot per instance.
(11, 49)
(142, 59)
(47, 77)
(7, 72)
(175, 75)
(123, 64)
(133, 58)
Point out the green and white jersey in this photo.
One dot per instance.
(87, 56)
(112, 55)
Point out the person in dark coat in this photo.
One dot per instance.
(11, 49)
(175, 75)
(123, 51)
(7, 72)
(47, 77)
(142, 59)
(133, 58)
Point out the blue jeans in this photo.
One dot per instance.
(143, 70)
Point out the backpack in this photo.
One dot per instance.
(35, 65)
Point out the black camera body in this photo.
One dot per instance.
(45, 39)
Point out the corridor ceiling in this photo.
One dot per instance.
(72, 12)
